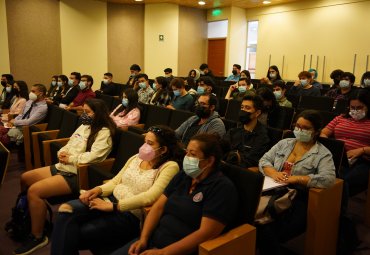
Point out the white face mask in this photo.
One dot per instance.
(105, 81)
(191, 167)
(32, 96)
(357, 114)
(344, 84)
(366, 83)
(302, 135)
(277, 94)
(304, 83)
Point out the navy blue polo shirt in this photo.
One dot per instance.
(214, 197)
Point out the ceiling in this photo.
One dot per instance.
(209, 3)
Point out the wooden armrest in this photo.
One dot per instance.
(46, 146)
(323, 219)
(41, 126)
(253, 169)
(36, 146)
(367, 206)
(83, 177)
(240, 240)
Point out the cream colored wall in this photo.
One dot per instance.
(84, 38)
(4, 48)
(334, 29)
(161, 19)
(192, 39)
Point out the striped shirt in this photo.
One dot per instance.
(355, 134)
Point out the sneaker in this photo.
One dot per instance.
(31, 245)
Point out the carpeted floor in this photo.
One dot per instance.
(10, 189)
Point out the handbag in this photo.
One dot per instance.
(273, 204)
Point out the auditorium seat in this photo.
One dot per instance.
(178, 117)
(232, 111)
(316, 103)
(4, 162)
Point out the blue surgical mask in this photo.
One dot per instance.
(200, 90)
(154, 87)
(302, 135)
(242, 89)
(191, 166)
(277, 95)
(142, 85)
(177, 93)
(304, 82)
(82, 85)
(70, 82)
(125, 102)
(60, 84)
(53, 83)
(344, 84)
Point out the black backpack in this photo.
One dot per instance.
(19, 226)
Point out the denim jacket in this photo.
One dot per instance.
(317, 163)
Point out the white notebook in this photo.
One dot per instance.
(269, 184)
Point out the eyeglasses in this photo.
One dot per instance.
(155, 130)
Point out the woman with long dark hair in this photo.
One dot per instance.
(20, 90)
(92, 222)
(273, 74)
(90, 143)
(161, 96)
(60, 91)
(127, 113)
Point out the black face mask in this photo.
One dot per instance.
(3, 83)
(234, 72)
(85, 119)
(202, 112)
(16, 91)
(245, 117)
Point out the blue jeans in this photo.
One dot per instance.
(357, 176)
(92, 229)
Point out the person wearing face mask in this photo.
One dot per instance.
(96, 224)
(354, 130)
(85, 93)
(181, 100)
(303, 86)
(72, 91)
(335, 76)
(235, 76)
(162, 96)
(314, 82)
(53, 87)
(60, 91)
(108, 87)
(145, 92)
(20, 90)
(90, 143)
(345, 90)
(205, 71)
(127, 113)
(279, 90)
(273, 74)
(6, 93)
(168, 74)
(134, 71)
(302, 163)
(365, 81)
(197, 205)
(241, 89)
(33, 112)
(205, 86)
(249, 141)
(206, 120)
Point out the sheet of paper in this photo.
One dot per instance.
(269, 184)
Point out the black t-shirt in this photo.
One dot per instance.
(215, 197)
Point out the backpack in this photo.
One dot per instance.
(19, 226)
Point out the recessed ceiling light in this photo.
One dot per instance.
(266, 2)
(201, 2)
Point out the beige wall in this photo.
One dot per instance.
(125, 39)
(334, 29)
(84, 38)
(161, 19)
(34, 40)
(4, 48)
(192, 39)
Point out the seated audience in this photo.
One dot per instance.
(303, 86)
(85, 93)
(365, 81)
(301, 163)
(198, 205)
(145, 92)
(92, 222)
(235, 76)
(345, 90)
(250, 141)
(20, 90)
(90, 143)
(60, 91)
(273, 74)
(279, 90)
(241, 89)
(182, 100)
(162, 95)
(314, 83)
(168, 74)
(127, 113)
(71, 93)
(53, 86)
(353, 129)
(33, 112)
(206, 120)
(134, 71)
(108, 87)
(7, 94)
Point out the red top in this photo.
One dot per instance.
(82, 96)
(287, 168)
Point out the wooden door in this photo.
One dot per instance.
(216, 56)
